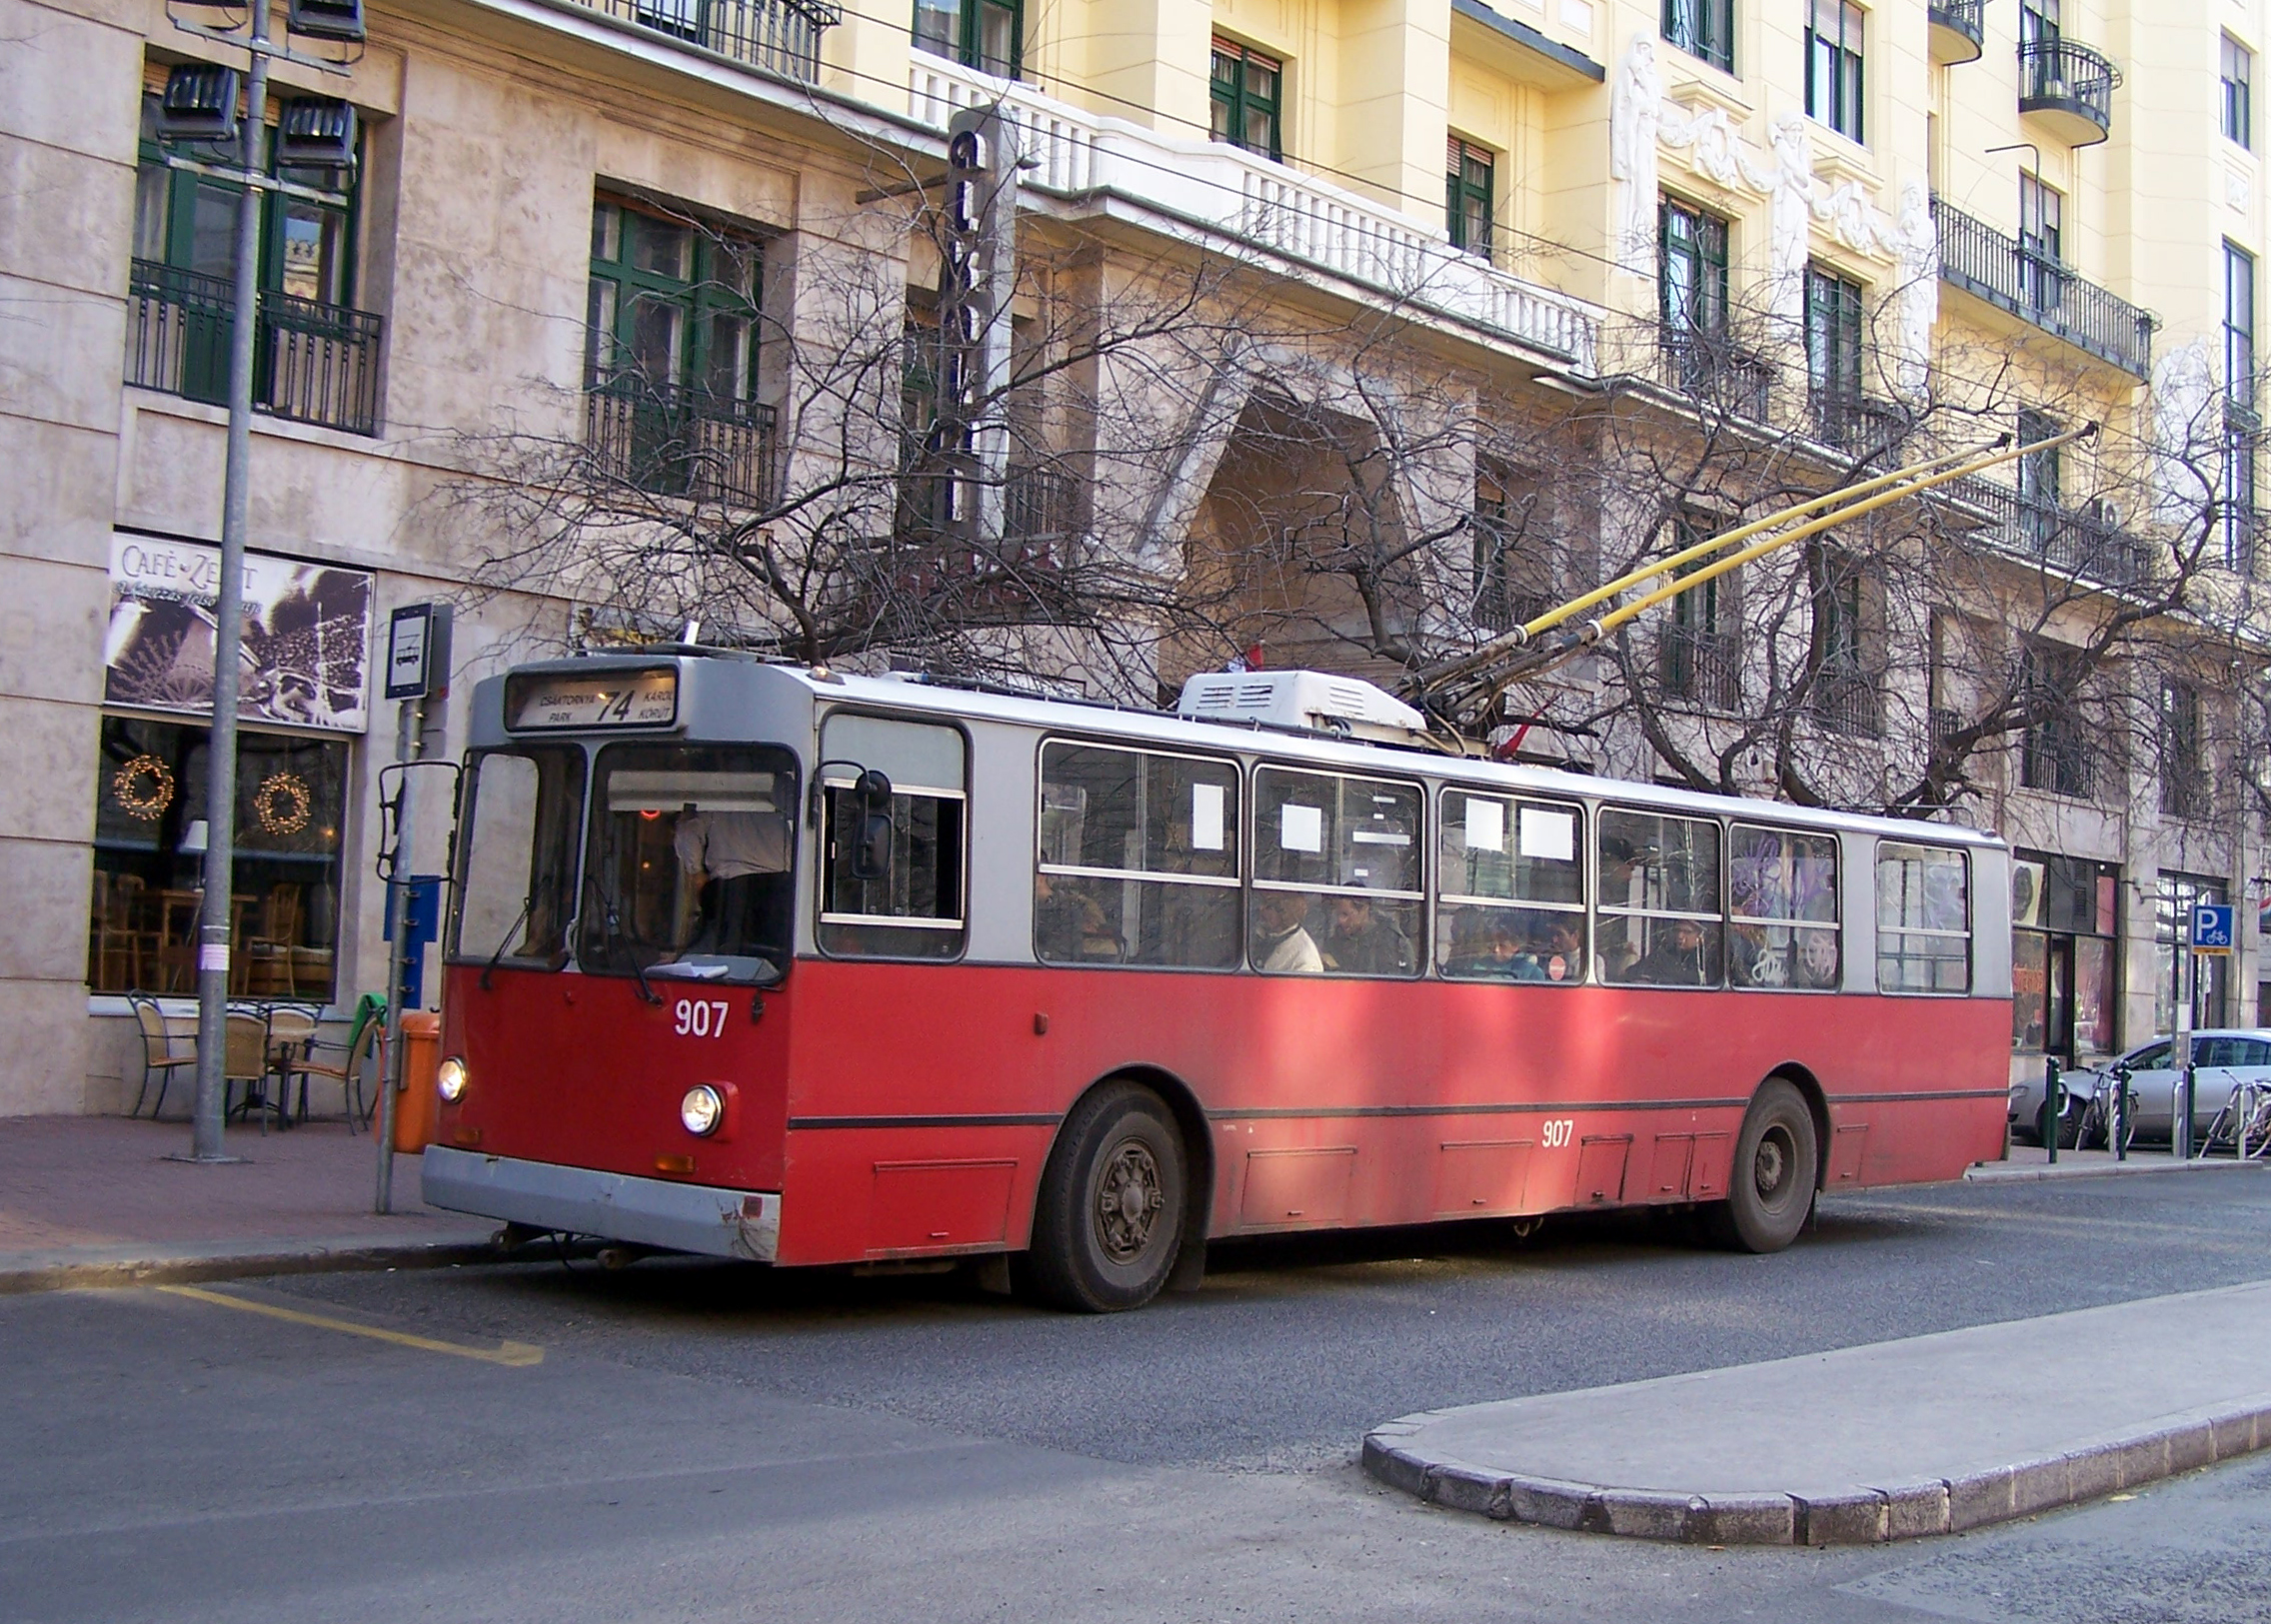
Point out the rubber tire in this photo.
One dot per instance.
(1069, 1265)
(2070, 1131)
(1752, 1220)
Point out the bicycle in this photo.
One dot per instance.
(2095, 1129)
(2243, 1126)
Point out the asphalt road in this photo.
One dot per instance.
(686, 1441)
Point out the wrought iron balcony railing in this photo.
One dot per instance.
(670, 441)
(779, 36)
(2070, 86)
(1858, 423)
(1959, 29)
(1704, 667)
(1023, 577)
(1844, 697)
(2086, 544)
(1710, 368)
(2011, 276)
(312, 363)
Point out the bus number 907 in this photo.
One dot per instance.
(1557, 1130)
(700, 1017)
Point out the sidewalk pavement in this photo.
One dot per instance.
(1925, 1435)
(91, 1200)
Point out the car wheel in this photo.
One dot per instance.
(1770, 1191)
(2069, 1129)
(1108, 1221)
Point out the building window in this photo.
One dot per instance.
(1833, 66)
(1699, 653)
(1833, 337)
(2055, 749)
(2065, 916)
(2239, 92)
(2183, 766)
(2242, 522)
(2175, 962)
(150, 822)
(1693, 275)
(2041, 482)
(1702, 28)
(989, 35)
(670, 355)
(1249, 91)
(1469, 197)
(1514, 569)
(2038, 22)
(1844, 692)
(2239, 325)
(2042, 212)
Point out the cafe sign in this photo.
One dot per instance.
(304, 656)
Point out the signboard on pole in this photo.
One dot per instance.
(2212, 927)
(418, 652)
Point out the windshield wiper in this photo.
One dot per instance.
(527, 907)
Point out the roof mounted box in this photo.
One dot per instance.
(1311, 699)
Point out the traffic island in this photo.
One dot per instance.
(1892, 1440)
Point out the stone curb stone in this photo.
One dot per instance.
(188, 1267)
(1990, 1172)
(1861, 1516)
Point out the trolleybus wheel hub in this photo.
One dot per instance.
(1128, 1200)
(1772, 1163)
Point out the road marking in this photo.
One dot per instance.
(516, 1354)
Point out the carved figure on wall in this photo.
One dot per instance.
(1790, 186)
(1635, 111)
(1915, 240)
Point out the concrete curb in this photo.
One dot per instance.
(1988, 1173)
(1863, 1515)
(92, 1269)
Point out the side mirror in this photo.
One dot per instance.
(870, 852)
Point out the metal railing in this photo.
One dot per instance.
(1712, 367)
(2055, 755)
(312, 362)
(1705, 668)
(1966, 17)
(1984, 263)
(1857, 423)
(2085, 543)
(2184, 791)
(779, 36)
(670, 441)
(1845, 697)
(2058, 75)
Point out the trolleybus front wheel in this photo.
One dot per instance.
(1108, 1221)
(1770, 1190)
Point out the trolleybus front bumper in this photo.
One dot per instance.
(744, 1225)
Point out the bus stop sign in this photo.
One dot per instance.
(2212, 927)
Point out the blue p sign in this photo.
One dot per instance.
(2212, 927)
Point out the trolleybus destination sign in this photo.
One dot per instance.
(613, 699)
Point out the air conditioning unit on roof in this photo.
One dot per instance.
(1301, 698)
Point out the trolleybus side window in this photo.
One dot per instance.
(1659, 899)
(901, 896)
(1923, 920)
(686, 870)
(1782, 907)
(1336, 877)
(522, 809)
(1138, 861)
(1510, 888)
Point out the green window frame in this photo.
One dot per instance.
(1704, 29)
(1247, 90)
(1834, 81)
(1693, 275)
(1470, 202)
(989, 35)
(1833, 336)
(672, 304)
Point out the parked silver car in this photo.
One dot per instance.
(2223, 1058)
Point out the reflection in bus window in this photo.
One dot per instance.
(1511, 891)
(1782, 904)
(686, 872)
(1137, 859)
(1923, 920)
(521, 809)
(1336, 874)
(915, 909)
(1659, 899)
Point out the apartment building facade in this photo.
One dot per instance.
(671, 248)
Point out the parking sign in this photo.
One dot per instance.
(2212, 927)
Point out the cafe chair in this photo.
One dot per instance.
(291, 1032)
(245, 1059)
(160, 1058)
(354, 1062)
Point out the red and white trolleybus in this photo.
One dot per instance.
(776, 963)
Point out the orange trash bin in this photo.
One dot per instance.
(418, 1106)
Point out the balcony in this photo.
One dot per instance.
(1711, 368)
(1011, 581)
(670, 441)
(312, 363)
(1701, 667)
(1859, 425)
(779, 36)
(1984, 263)
(1844, 699)
(2069, 87)
(1267, 213)
(2087, 544)
(1959, 28)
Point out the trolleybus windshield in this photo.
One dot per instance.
(523, 808)
(688, 867)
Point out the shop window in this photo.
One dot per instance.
(2065, 916)
(150, 828)
(1248, 92)
(989, 35)
(2177, 965)
(1139, 859)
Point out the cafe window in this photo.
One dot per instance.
(1923, 920)
(150, 833)
(1139, 859)
(2065, 916)
(1659, 899)
(1512, 889)
(1337, 876)
(1782, 902)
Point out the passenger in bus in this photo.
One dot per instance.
(1365, 941)
(1680, 958)
(1282, 945)
(1563, 957)
(1068, 923)
(733, 859)
(1500, 956)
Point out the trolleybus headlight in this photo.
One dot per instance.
(448, 1079)
(701, 1110)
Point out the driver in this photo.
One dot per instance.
(728, 855)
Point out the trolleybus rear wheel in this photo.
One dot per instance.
(1108, 1221)
(1770, 1190)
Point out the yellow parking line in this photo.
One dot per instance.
(508, 1353)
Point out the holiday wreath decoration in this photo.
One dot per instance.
(282, 804)
(143, 787)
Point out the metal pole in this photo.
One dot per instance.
(408, 728)
(2052, 1116)
(2120, 1114)
(215, 927)
(2180, 1104)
